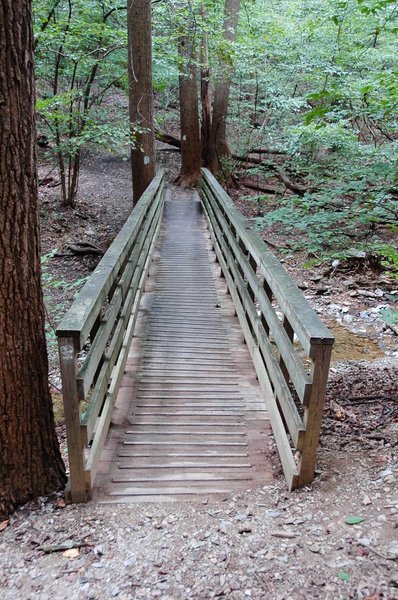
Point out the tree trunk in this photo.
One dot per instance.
(189, 115)
(30, 460)
(219, 146)
(205, 96)
(141, 95)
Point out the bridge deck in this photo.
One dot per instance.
(189, 420)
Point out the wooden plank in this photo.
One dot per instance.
(313, 416)
(285, 452)
(309, 328)
(186, 425)
(103, 425)
(291, 359)
(245, 309)
(80, 317)
(67, 358)
(122, 295)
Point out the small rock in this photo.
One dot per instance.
(392, 550)
(98, 551)
(245, 528)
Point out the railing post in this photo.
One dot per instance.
(320, 355)
(78, 489)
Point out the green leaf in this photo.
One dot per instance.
(344, 575)
(353, 520)
(389, 316)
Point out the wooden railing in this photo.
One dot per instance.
(289, 345)
(95, 335)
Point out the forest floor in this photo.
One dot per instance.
(337, 538)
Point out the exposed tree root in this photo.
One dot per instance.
(187, 181)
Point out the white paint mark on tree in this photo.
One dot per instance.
(147, 160)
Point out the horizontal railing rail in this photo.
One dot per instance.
(289, 344)
(95, 335)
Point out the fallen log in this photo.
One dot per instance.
(260, 187)
(266, 151)
(167, 138)
(298, 189)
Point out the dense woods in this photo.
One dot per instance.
(186, 418)
(292, 104)
(303, 97)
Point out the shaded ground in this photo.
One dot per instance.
(264, 543)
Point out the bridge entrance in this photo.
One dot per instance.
(173, 393)
(189, 420)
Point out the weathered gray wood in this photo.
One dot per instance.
(245, 309)
(81, 316)
(310, 328)
(285, 347)
(121, 274)
(89, 419)
(118, 370)
(313, 414)
(232, 240)
(296, 370)
(77, 482)
(285, 452)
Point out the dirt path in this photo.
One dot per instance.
(264, 543)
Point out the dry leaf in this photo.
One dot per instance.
(72, 553)
(61, 503)
(4, 525)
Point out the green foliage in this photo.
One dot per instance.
(80, 60)
(55, 309)
(319, 80)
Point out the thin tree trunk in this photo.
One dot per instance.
(30, 460)
(189, 115)
(205, 96)
(219, 145)
(141, 94)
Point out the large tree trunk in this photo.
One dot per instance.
(30, 460)
(141, 94)
(189, 115)
(219, 145)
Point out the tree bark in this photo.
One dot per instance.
(30, 460)
(205, 97)
(219, 146)
(189, 115)
(141, 95)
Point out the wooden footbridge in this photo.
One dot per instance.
(186, 346)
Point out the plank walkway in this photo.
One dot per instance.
(190, 420)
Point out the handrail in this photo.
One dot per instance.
(276, 319)
(95, 334)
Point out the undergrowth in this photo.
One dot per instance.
(55, 309)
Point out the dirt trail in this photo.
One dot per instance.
(337, 539)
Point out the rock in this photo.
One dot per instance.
(392, 550)
(245, 528)
(315, 548)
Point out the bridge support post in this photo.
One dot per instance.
(320, 356)
(77, 490)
